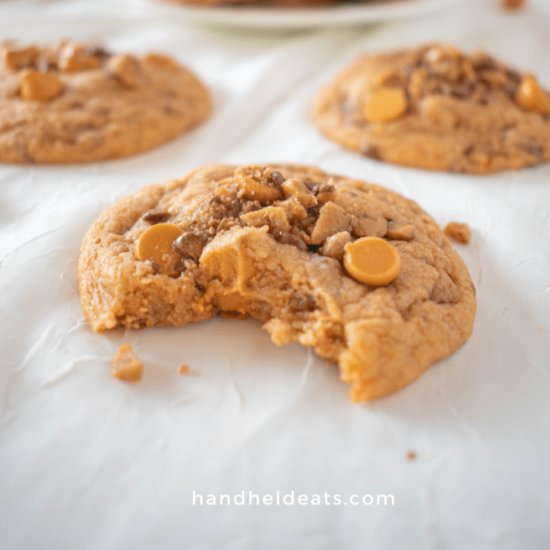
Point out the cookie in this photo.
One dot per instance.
(67, 103)
(357, 272)
(272, 3)
(436, 108)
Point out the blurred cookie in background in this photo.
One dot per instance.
(71, 103)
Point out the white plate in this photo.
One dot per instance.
(338, 15)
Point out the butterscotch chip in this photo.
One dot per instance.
(381, 338)
(531, 96)
(459, 232)
(156, 243)
(37, 86)
(71, 103)
(184, 369)
(385, 104)
(372, 260)
(437, 108)
(126, 366)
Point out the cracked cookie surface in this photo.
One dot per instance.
(269, 242)
(69, 103)
(436, 108)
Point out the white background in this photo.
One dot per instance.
(87, 462)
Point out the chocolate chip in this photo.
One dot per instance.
(484, 63)
(190, 244)
(302, 302)
(461, 91)
(277, 178)
(155, 216)
(371, 151)
(313, 186)
(313, 211)
(99, 52)
(534, 150)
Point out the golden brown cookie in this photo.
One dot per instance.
(434, 107)
(69, 103)
(260, 3)
(292, 247)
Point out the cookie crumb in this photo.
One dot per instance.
(184, 369)
(126, 366)
(513, 4)
(411, 455)
(459, 232)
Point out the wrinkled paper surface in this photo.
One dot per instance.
(89, 462)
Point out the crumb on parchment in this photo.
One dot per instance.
(126, 365)
(459, 232)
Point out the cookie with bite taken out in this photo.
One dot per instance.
(359, 273)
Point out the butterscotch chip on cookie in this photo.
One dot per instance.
(437, 108)
(70, 103)
(290, 246)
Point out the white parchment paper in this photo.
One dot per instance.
(88, 462)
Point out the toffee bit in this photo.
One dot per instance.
(155, 216)
(289, 238)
